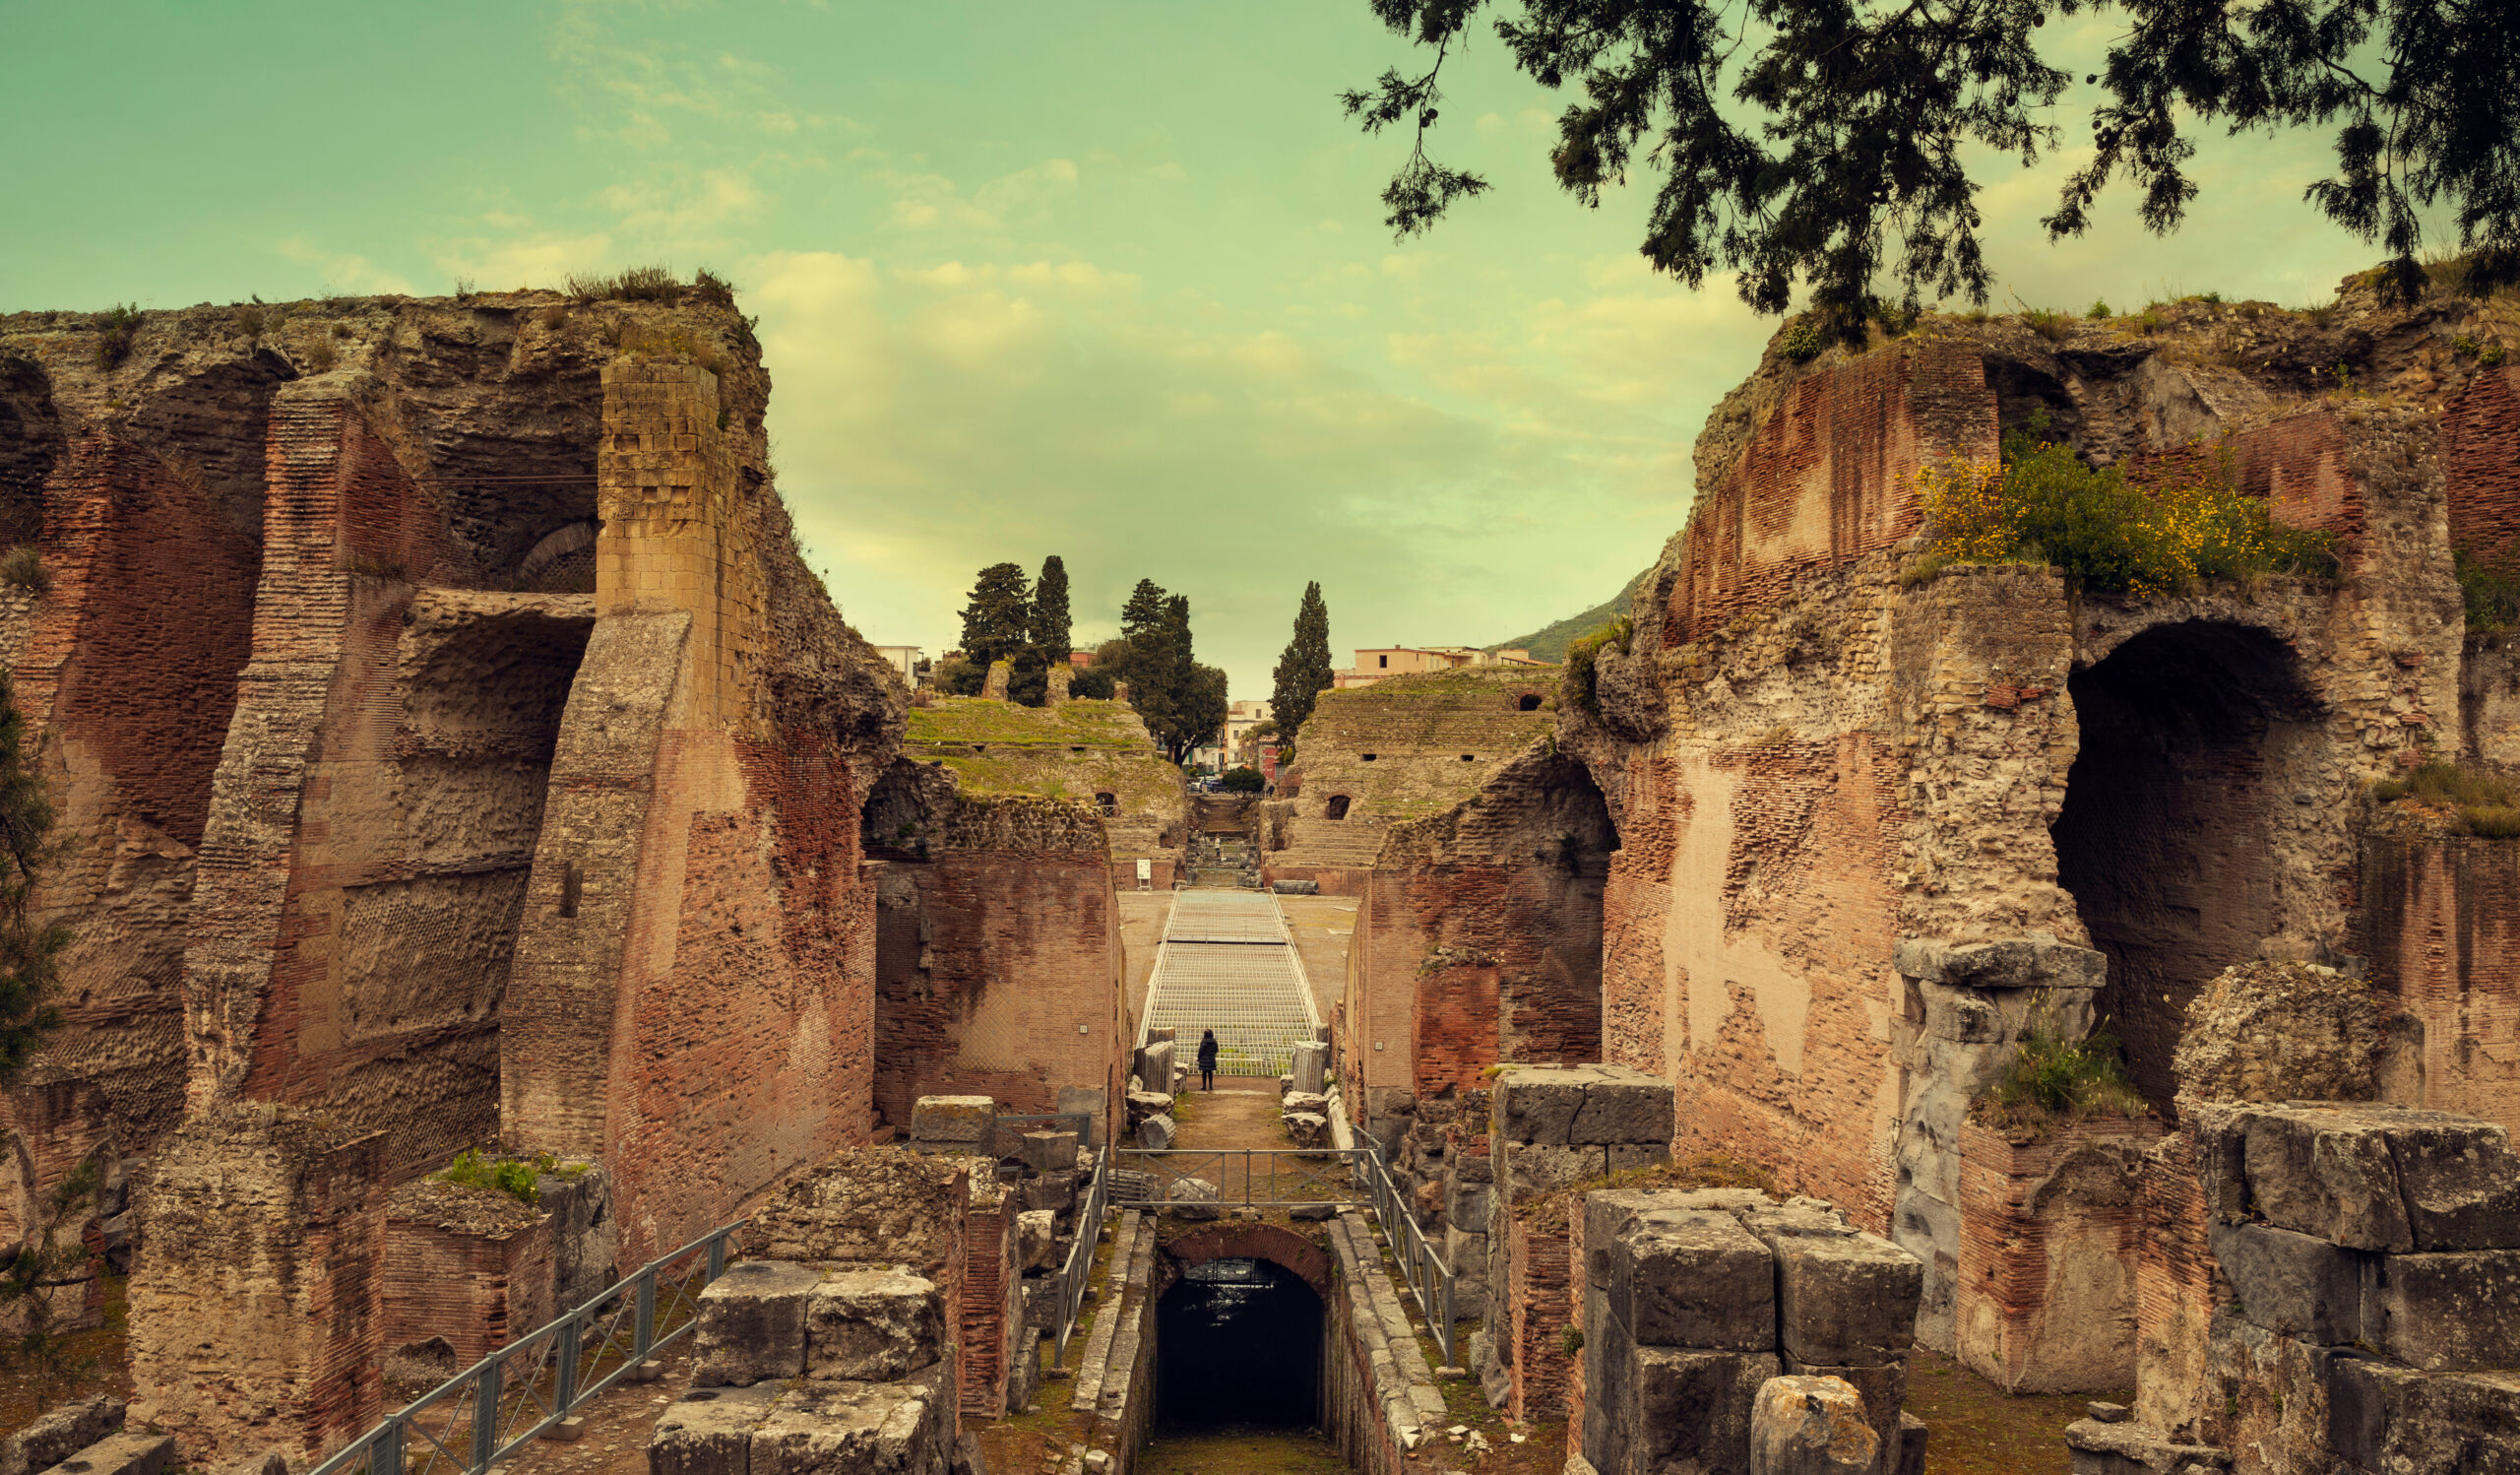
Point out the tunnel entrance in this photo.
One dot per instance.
(2191, 734)
(1237, 1344)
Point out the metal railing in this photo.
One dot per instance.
(1318, 1176)
(1429, 1279)
(1078, 1268)
(489, 1411)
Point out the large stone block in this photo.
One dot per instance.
(960, 1120)
(2131, 1450)
(708, 1430)
(1467, 1204)
(2291, 1283)
(2384, 1417)
(2450, 1311)
(1535, 1167)
(1693, 1278)
(1304, 1101)
(1048, 1153)
(1311, 1066)
(2328, 1174)
(1537, 1103)
(2460, 1180)
(1037, 1240)
(1625, 1157)
(1191, 1199)
(858, 1429)
(60, 1434)
(1810, 1426)
(1607, 1211)
(1307, 1130)
(873, 1325)
(1624, 1106)
(752, 1325)
(131, 1452)
(1846, 1300)
(1054, 1192)
(1883, 1387)
(1692, 1406)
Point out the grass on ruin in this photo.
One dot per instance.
(651, 284)
(2106, 534)
(1582, 656)
(2051, 1079)
(513, 1176)
(2485, 802)
(22, 567)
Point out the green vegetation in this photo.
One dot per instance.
(1049, 637)
(1550, 642)
(119, 328)
(1582, 655)
(2108, 535)
(1243, 780)
(2483, 802)
(508, 1176)
(1183, 701)
(52, 1257)
(2490, 587)
(2050, 1077)
(639, 283)
(999, 611)
(29, 950)
(1820, 150)
(22, 567)
(2055, 327)
(1802, 341)
(2098, 309)
(1303, 671)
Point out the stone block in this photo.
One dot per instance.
(2460, 1180)
(1191, 1199)
(1054, 1192)
(1037, 1238)
(873, 1325)
(1911, 1458)
(1883, 1387)
(1533, 1168)
(1607, 1211)
(1622, 1104)
(2452, 1310)
(2291, 1283)
(1155, 1061)
(1810, 1426)
(131, 1452)
(1690, 1406)
(1537, 1104)
(60, 1434)
(1155, 1131)
(1048, 1153)
(1305, 1101)
(963, 1120)
(1693, 1278)
(2130, 1449)
(1624, 1156)
(898, 1428)
(752, 1325)
(1467, 1204)
(1307, 1130)
(708, 1430)
(1145, 1104)
(1846, 1300)
(2383, 1417)
(2328, 1174)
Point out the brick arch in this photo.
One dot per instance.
(1276, 1244)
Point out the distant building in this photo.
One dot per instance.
(1240, 719)
(904, 659)
(1377, 661)
(1079, 659)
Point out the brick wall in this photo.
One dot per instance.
(2441, 923)
(990, 1309)
(2481, 461)
(1539, 1292)
(2050, 1228)
(478, 1289)
(255, 1314)
(2175, 1284)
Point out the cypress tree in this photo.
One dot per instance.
(1303, 671)
(1052, 633)
(996, 620)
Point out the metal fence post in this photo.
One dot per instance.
(564, 1388)
(643, 1327)
(716, 1258)
(385, 1456)
(485, 1414)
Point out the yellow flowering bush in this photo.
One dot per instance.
(2039, 502)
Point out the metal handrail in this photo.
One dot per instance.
(1078, 1268)
(560, 1362)
(1312, 1159)
(1429, 1279)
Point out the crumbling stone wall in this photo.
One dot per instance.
(1403, 748)
(2440, 923)
(1834, 773)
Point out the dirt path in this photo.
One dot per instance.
(1225, 1137)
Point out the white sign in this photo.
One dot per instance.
(1146, 874)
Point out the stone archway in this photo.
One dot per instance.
(2174, 811)
(1242, 1317)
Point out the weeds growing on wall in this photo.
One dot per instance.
(2485, 802)
(2051, 1078)
(507, 1175)
(51, 1259)
(1583, 654)
(2040, 502)
(2490, 587)
(22, 567)
(121, 327)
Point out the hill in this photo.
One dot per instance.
(1550, 642)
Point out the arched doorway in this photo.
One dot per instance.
(2191, 736)
(1239, 1344)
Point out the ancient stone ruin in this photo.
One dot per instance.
(455, 756)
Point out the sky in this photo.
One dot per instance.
(1100, 279)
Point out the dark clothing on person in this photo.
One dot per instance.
(1208, 1060)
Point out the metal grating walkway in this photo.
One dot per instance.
(1228, 964)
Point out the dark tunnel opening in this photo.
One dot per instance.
(1239, 1344)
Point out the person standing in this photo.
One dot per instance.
(1207, 1060)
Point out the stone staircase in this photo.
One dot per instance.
(1341, 843)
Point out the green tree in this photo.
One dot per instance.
(1000, 611)
(1048, 635)
(1303, 672)
(1830, 143)
(1243, 780)
(1144, 611)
